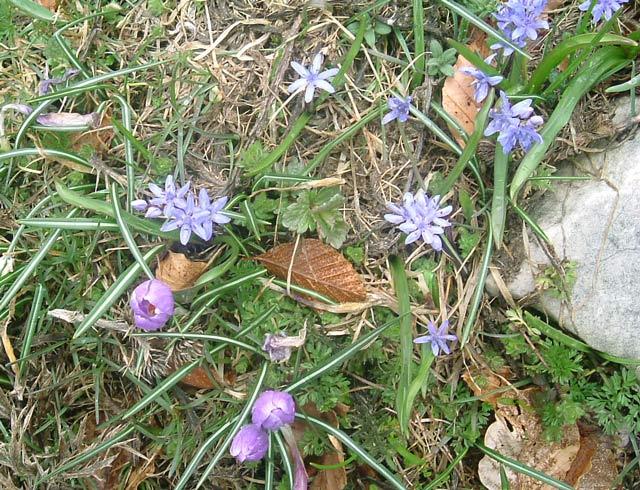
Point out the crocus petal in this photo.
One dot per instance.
(61, 119)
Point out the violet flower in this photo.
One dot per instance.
(213, 211)
(602, 8)
(167, 199)
(191, 219)
(152, 304)
(249, 444)
(482, 82)
(420, 216)
(519, 21)
(47, 83)
(312, 78)
(516, 124)
(399, 108)
(273, 409)
(438, 338)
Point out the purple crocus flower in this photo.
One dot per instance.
(420, 216)
(152, 304)
(47, 83)
(60, 119)
(191, 219)
(602, 8)
(312, 78)
(438, 338)
(516, 124)
(273, 409)
(399, 108)
(250, 444)
(519, 21)
(482, 81)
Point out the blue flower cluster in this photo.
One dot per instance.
(178, 206)
(519, 21)
(602, 8)
(516, 124)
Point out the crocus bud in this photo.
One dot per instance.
(273, 409)
(249, 444)
(61, 119)
(152, 304)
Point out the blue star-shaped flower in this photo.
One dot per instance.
(438, 338)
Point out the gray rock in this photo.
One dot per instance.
(594, 224)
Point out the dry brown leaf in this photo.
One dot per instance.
(316, 266)
(482, 382)
(178, 271)
(49, 4)
(595, 466)
(198, 378)
(98, 138)
(458, 94)
(518, 434)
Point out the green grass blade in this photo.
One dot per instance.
(286, 460)
(504, 481)
(32, 324)
(444, 476)
(200, 453)
(228, 286)
(125, 109)
(435, 129)
(269, 463)
(605, 60)
(236, 426)
(341, 357)
(401, 288)
(530, 221)
(623, 87)
(419, 55)
(552, 59)
(35, 10)
(479, 290)
(31, 267)
(361, 453)
(524, 469)
(498, 199)
(200, 336)
(90, 454)
(470, 148)
(126, 234)
(251, 219)
(76, 224)
(480, 24)
(113, 294)
(40, 152)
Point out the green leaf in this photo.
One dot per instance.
(35, 10)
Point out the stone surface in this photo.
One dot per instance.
(596, 225)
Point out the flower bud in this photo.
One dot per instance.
(273, 409)
(152, 304)
(249, 444)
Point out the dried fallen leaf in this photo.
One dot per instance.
(198, 378)
(518, 434)
(484, 383)
(178, 271)
(315, 266)
(458, 94)
(595, 466)
(49, 4)
(99, 138)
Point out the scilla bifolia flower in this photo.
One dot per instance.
(152, 304)
(438, 338)
(312, 78)
(399, 109)
(420, 217)
(516, 124)
(602, 8)
(482, 82)
(519, 21)
(250, 444)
